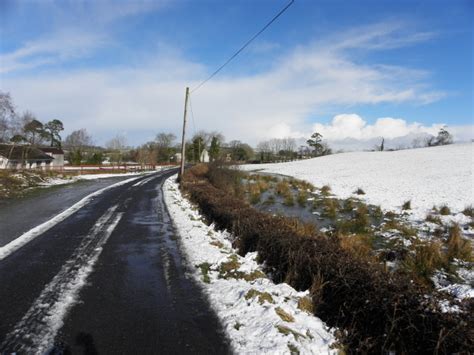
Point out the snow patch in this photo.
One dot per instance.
(36, 331)
(425, 176)
(247, 308)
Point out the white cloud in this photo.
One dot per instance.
(353, 126)
(147, 97)
(59, 48)
(78, 29)
(378, 36)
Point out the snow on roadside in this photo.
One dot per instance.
(425, 176)
(67, 179)
(70, 179)
(258, 315)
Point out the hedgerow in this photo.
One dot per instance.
(376, 311)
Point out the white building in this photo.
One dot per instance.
(57, 154)
(23, 157)
(204, 158)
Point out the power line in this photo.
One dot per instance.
(244, 46)
(192, 114)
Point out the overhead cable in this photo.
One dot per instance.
(243, 47)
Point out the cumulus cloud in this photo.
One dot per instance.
(353, 126)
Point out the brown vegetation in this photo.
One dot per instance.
(377, 311)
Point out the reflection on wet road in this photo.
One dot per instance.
(108, 279)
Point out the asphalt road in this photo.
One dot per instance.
(19, 215)
(109, 279)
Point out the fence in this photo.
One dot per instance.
(94, 169)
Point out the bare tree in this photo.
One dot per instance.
(275, 145)
(117, 146)
(119, 142)
(164, 145)
(147, 153)
(7, 114)
(288, 146)
(76, 143)
(265, 151)
(78, 139)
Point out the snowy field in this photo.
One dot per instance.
(258, 316)
(426, 176)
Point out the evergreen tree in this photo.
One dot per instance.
(316, 143)
(198, 146)
(214, 149)
(444, 137)
(52, 129)
(34, 131)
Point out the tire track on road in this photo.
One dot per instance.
(36, 330)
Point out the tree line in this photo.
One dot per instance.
(26, 128)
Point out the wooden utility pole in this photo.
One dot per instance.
(183, 147)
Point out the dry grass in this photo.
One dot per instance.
(358, 244)
(404, 229)
(469, 211)
(425, 258)
(433, 219)
(302, 198)
(377, 213)
(17, 183)
(458, 247)
(376, 311)
(348, 205)
(282, 188)
(289, 200)
(270, 200)
(255, 192)
(264, 186)
(306, 304)
(217, 244)
(287, 331)
(330, 208)
(444, 210)
(326, 190)
(359, 222)
(285, 316)
(262, 296)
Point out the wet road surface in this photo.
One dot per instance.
(19, 215)
(109, 279)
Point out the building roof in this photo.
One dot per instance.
(52, 150)
(23, 152)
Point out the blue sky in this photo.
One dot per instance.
(357, 69)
